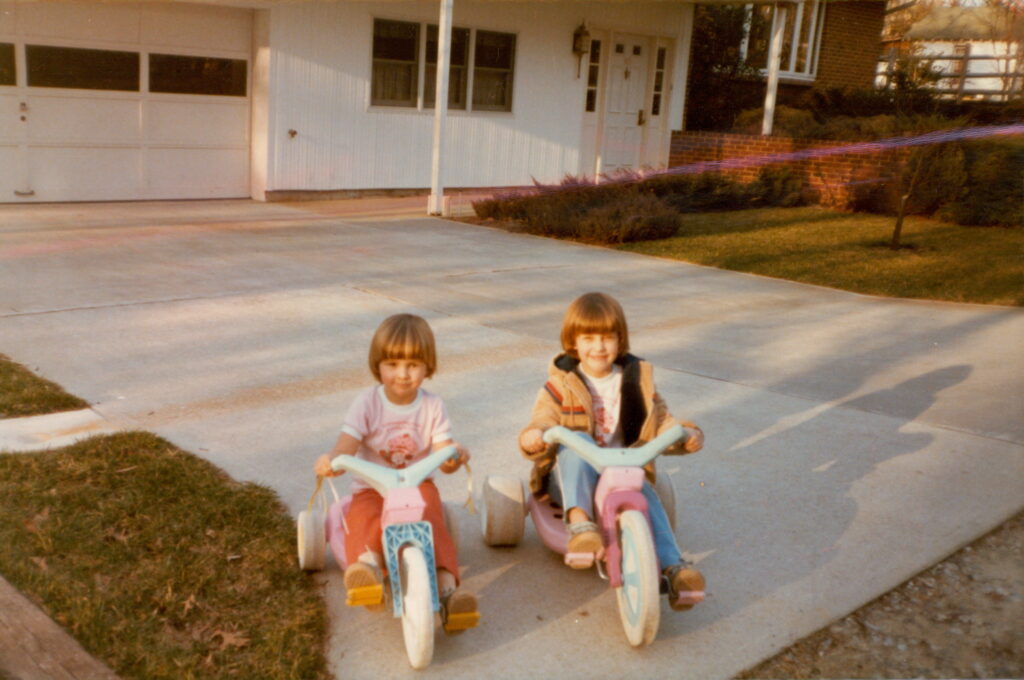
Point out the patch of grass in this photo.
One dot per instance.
(849, 251)
(23, 393)
(158, 563)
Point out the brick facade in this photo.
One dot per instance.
(850, 44)
(831, 170)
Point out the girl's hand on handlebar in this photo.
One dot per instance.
(694, 440)
(532, 441)
(453, 464)
(322, 467)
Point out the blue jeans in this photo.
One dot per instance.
(574, 481)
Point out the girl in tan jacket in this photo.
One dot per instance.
(600, 390)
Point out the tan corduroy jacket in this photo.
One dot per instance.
(565, 400)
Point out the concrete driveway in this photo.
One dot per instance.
(852, 441)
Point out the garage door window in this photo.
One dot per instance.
(84, 69)
(7, 64)
(197, 75)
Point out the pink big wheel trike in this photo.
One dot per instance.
(630, 564)
(408, 548)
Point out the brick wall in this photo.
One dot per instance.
(850, 44)
(832, 170)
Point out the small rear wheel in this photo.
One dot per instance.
(417, 608)
(502, 510)
(638, 594)
(312, 540)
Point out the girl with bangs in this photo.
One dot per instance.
(396, 423)
(597, 388)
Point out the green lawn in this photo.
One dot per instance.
(850, 251)
(22, 393)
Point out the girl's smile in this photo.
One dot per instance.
(597, 352)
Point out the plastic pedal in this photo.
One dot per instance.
(461, 621)
(579, 560)
(365, 595)
(690, 597)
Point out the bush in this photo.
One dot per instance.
(992, 191)
(698, 193)
(641, 217)
(789, 122)
(779, 186)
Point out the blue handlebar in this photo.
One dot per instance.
(602, 458)
(384, 479)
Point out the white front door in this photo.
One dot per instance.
(624, 113)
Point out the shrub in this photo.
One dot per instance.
(779, 186)
(992, 191)
(641, 217)
(789, 122)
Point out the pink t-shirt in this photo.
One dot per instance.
(395, 435)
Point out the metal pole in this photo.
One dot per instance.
(444, 56)
(774, 57)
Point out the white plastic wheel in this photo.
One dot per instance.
(667, 495)
(502, 510)
(417, 608)
(638, 594)
(451, 520)
(312, 540)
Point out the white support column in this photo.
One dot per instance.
(774, 57)
(444, 56)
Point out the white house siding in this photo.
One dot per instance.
(319, 86)
(991, 68)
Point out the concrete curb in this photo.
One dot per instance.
(53, 430)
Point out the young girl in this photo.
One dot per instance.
(600, 390)
(396, 423)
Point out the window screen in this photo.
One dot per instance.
(457, 73)
(7, 73)
(395, 63)
(493, 71)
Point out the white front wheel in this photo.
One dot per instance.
(417, 608)
(638, 594)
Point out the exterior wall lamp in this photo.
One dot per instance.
(580, 45)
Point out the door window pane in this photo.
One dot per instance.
(7, 73)
(395, 63)
(493, 71)
(85, 69)
(197, 75)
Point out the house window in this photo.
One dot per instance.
(181, 74)
(659, 81)
(494, 58)
(801, 37)
(458, 76)
(79, 68)
(593, 73)
(7, 76)
(395, 63)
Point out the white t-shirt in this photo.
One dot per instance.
(606, 394)
(395, 435)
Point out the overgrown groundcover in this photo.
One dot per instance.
(158, 563)
(23, 393)
(939, 261)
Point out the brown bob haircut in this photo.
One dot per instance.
(403, 336)
(594, 313)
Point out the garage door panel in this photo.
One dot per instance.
(85, 173)
(213, 124)
(10, 118)
(84, 120)
(106, 22)
(198, 173)
(195, 26)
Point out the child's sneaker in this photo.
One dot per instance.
(364, 585)
(685, 586)
(584, 539)
(458, 611)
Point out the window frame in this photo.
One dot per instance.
(419, 102)
(792, 38)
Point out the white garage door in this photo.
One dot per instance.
(117, 101)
